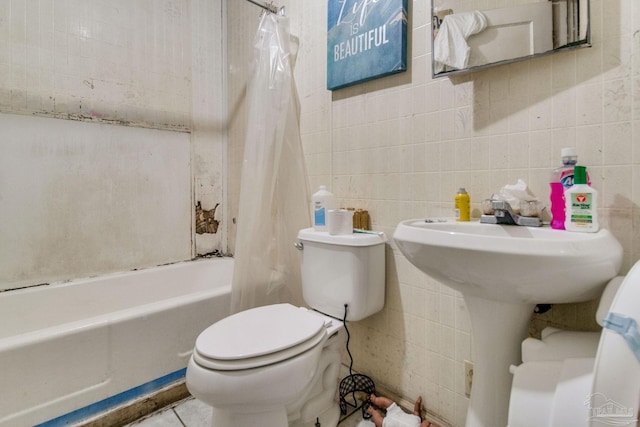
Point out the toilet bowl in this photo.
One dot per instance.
(258, 384)
(580, 379)
(278, 365)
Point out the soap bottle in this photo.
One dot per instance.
(581, 204)
(561, 179)
(463, 205)
(321, 203)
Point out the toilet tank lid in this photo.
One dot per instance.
(354, 239)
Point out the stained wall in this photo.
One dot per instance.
(112, 130)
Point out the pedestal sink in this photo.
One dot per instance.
(503, 271)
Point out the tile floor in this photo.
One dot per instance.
(193, 413)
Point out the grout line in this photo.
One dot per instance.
(178, 416)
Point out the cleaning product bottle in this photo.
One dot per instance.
(321, 202)
(557, 205)
(463, 205)
(561, 179)
(564, 174)
(581, 204)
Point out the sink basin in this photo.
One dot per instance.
(511, 263)
(502, 272)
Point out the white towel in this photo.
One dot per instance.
(450, 46)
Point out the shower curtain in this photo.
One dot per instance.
(273, 202)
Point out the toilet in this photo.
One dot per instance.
(278, 365)
(580, 379)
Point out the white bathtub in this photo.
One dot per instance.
(70, 349)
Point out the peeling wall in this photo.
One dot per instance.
(209, 120)
(119, 61)
(113, 186)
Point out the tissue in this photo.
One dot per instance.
(520, 197)
(450, 45)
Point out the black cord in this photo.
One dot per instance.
(354, 382)
(344, 320)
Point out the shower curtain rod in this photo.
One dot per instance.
(269, 7)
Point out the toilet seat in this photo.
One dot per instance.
(258, 337)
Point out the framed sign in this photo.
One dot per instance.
(366, 39)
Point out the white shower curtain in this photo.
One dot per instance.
(273, 193)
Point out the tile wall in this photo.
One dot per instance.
(122, 61)
(400, 147)
(96, 183)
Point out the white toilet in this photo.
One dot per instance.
(580, 379)
(278, 365)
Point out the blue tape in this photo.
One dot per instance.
(113, 401)
(627, 327)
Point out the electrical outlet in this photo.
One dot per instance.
(468, 377)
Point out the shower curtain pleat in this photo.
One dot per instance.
(273, 203)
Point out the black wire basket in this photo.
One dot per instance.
(350, 386)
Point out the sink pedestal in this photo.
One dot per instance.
(498, 329)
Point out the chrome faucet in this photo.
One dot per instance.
(504, 214)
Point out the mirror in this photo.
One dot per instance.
(465, 38)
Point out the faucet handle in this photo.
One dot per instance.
(487, 207)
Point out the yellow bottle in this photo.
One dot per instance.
(463, 205)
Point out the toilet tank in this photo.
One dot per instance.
(343, 269)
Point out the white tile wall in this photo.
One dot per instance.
(117, 60)
(400, 147)
(120, 196)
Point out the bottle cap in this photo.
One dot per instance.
(322, 187)
(462, 190)
(569, 152)
(579, 175)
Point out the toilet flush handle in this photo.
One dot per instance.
(299, 246)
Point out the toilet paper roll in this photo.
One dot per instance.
(340, 221)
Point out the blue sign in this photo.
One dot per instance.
(366, 39)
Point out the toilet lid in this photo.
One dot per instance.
(259, 336)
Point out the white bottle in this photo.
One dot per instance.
(581, 204)
(321, 203)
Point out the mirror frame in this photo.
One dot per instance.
(576, 45)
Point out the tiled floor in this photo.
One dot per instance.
(186, 413)
(193, 413)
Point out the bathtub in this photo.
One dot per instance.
(70, 349)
